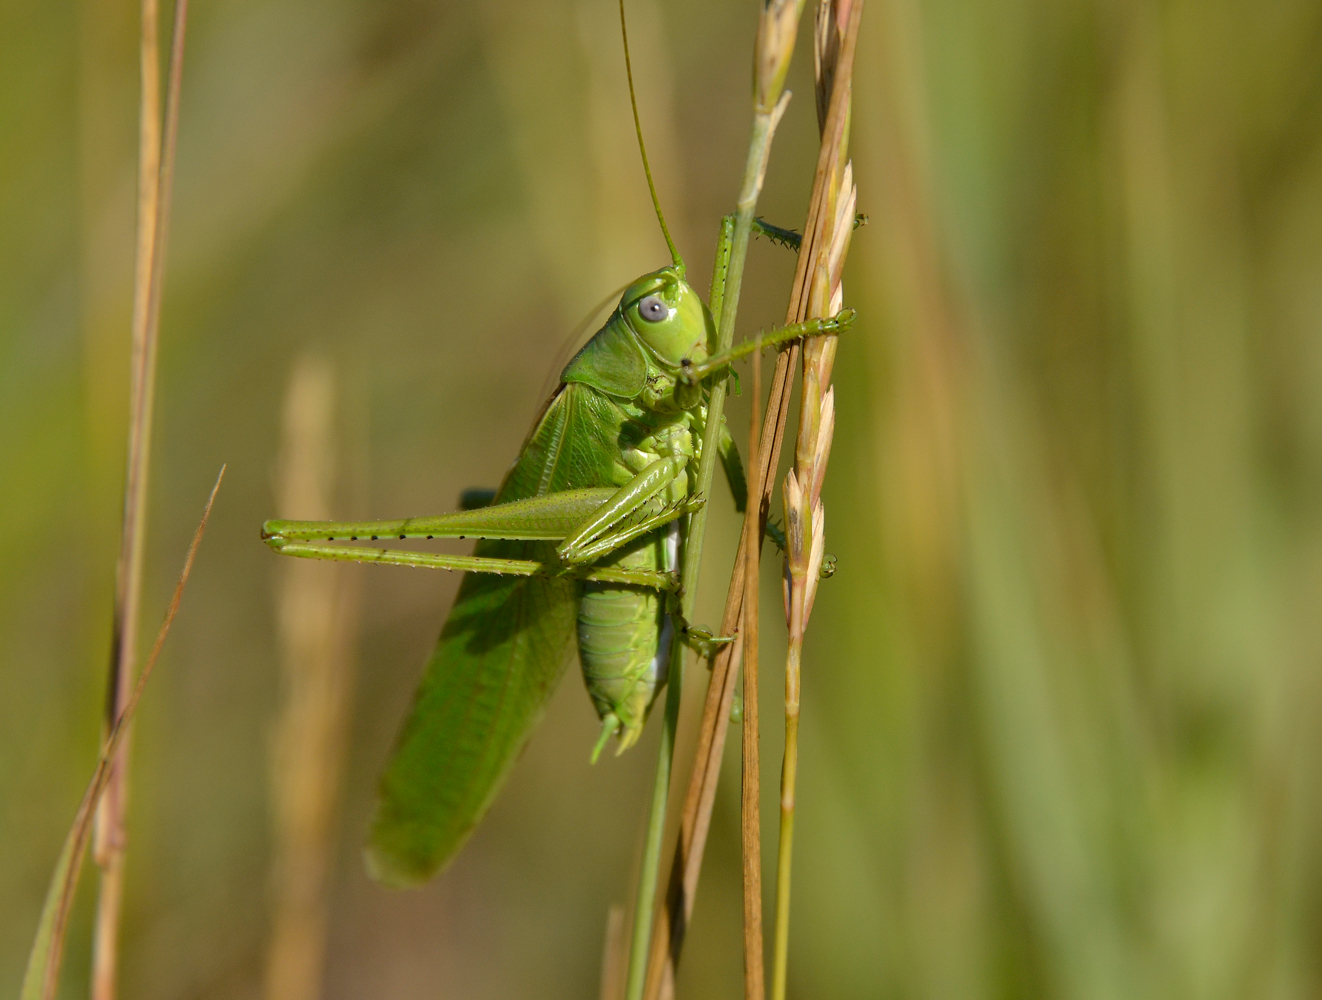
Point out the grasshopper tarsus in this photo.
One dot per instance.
(829, 566)
(702, 641)
(844, 319)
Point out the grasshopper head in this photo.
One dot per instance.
(668, 316)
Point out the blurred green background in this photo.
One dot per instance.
(1060, 701)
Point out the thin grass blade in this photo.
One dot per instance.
(42, 976)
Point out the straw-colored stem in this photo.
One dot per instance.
(695, 821)
(751, 826)
(612, 955)
(155, 174)
(821, 256)
(788, 780)
(110, 893)
(128, 570)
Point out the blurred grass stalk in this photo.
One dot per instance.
(821, 294)
(612, 955)
(318, 621)
(156, 145)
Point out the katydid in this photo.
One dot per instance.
(584, 535)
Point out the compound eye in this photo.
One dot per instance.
(653, 309)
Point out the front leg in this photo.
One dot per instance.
(692, 372)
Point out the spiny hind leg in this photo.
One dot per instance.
(725, 241)
(630, 512)
(549, 517)
(636, 529)
(788, 238)
(650, 578)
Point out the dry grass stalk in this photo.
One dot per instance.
(318, 625)
(41, 980)
(128, 571)
(822, 256)
(700, 796)
(155, 177)
(751, 792)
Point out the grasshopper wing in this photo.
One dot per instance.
(500, 656)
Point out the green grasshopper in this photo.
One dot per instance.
(584, 535)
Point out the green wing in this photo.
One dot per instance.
(500, 656)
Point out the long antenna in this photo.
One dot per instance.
(642, 148)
